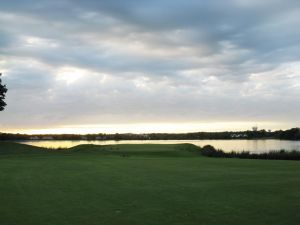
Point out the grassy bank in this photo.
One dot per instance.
(143, 184)
(210, 151)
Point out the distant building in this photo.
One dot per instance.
(233, 135)
(238, 135)
(254, 128)
(145, 136)
(34, 138)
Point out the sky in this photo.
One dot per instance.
(142, 66)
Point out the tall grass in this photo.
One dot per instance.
(210, 151)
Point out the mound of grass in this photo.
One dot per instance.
(126, 150)
(155, 150)
(7, 148)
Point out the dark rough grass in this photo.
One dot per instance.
(210, 151)
(143, 185)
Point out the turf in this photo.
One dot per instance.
(143, 185)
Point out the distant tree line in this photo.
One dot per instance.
(210, 151)
(291, 134)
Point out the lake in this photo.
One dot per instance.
(225, 145)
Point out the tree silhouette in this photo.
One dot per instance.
(3, 90)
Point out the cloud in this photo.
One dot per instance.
(85, 62)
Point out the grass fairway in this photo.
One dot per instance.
(144, 185)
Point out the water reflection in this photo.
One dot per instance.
(225, 145)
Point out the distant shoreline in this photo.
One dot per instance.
(212, 139)
(291, 134)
